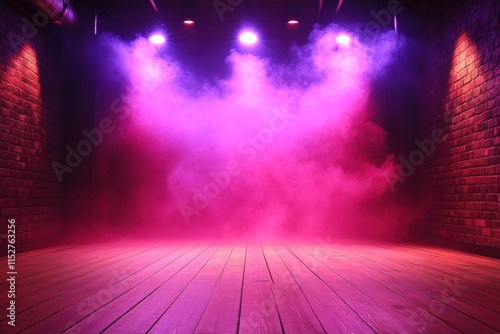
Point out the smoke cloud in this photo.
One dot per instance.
(272, 150)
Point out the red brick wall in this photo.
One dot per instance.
(32, 130)
(459, 93)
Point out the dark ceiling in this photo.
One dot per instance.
(207, 42)
(134, 17)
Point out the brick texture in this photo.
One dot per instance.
(459, 93)
(32, 131)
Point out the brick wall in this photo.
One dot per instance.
(32, 129)
(459, 94)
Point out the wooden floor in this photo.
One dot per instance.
(280, 287)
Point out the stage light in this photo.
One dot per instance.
(293, 13)
(157, 39)
(343, 39)
(188, 12)
(248, 38)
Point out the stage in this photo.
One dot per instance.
(290, 286)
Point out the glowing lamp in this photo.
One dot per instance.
(248, 38)
(293, 21)
(188, 22)
(343, 39)
(157, 39)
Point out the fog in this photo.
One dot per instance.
(271, 150)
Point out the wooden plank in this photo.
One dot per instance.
(428, 298)
(222, 312)
(323, 300)
(32, 308)
(449, 293)
(441, 300)
(43, 252)
(139, 317)
(66, 311)
(33, 258)
(391, 310)
(454, 267)
(69, 277)
(482, 269)
(140, 308)
(275, 288)
(477, 293)
(186, 310)
(294, 310)
(458, 257)
(56, 262)
(259, 313)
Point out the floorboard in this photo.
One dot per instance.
(444, 294)
(406, 304)
(295, 312)
(259, 313)
(285, 286)
(185, 312)
(223, 309)
(335, 315)
(69, 275)
(403, 263)
(78, 308)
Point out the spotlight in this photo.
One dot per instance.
(188, 12)
(343, 39)
(292, 15)
(248, 38)
(157, 39)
